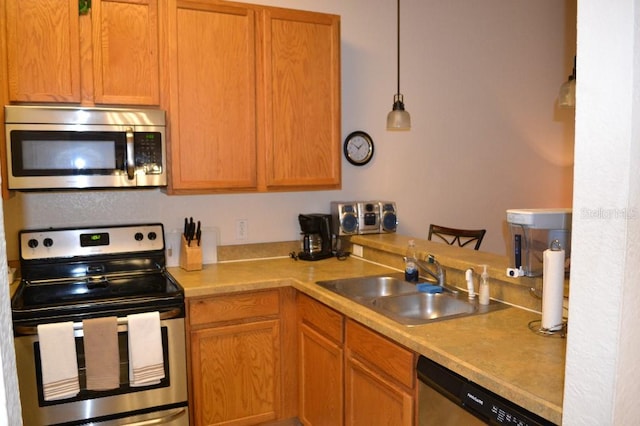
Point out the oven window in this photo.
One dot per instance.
(62, 153)
(124, 372)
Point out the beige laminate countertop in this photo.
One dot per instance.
(496, 350)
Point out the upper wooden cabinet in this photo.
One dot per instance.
(108, 57)
(255, 98)
(302, 99)
(213, 97)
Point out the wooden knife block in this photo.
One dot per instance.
(190, 256)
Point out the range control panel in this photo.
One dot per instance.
(71, 242)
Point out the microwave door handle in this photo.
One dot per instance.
(130, 157)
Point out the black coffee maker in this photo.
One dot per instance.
(316, 236)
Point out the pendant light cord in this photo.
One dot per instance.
(398, 39)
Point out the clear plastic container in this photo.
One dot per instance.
(411, 272)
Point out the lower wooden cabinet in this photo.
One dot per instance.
(262, 357)
(320, 361)
(238, 362)
(380, 383)
(350, 374)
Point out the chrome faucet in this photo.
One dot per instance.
(438, 274)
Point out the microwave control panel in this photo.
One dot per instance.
(148, 151)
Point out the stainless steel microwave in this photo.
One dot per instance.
(52, 147)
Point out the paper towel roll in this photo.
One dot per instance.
(552, 289)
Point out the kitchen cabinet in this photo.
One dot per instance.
(350, 374)
(320, 361)
(108, 56)
(380, 379)
(302, 99)
(239, 349)
(212, 111)
(255, 98)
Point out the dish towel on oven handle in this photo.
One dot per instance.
(59, 361)
(146, 360)
(102, 357)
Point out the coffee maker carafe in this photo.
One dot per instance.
(316, 236)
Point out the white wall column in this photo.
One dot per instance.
(602, 372)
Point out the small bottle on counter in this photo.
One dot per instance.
(483, 291)
(410, 266)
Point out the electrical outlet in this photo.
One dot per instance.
(242, 229)
(357, 250)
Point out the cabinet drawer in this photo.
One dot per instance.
(387, 356)
(321, 317)
(232, 307)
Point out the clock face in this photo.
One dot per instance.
(358, 148)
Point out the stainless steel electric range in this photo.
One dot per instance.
(74, 274)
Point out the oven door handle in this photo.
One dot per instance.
(29, 330)
(160, 420)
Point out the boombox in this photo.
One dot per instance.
(363, 217)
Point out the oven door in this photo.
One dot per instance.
(122, 406)
(72, 156)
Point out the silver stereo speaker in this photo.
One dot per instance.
(388, 216)
(344, 216)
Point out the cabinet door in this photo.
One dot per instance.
(302, 99)
(372, 399)
(380, 383)
(213, 97)
(43, 50)
(125, 52)
(237, 371)
(321, 378)
(321, 371)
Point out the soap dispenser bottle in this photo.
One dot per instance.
(483, 291)
(410, 266)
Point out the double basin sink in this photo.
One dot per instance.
(392, 296)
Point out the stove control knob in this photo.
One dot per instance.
(152, 236)
(33, 243)
(48, 242)
(138, 236)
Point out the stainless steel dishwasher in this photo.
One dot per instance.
(447, 399)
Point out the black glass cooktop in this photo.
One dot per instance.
(77, 299)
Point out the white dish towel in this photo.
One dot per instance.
(146, 361)
(59, 361)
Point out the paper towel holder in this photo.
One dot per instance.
(536, 325)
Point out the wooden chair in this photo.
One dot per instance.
(461, 236)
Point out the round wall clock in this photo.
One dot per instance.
(358, 148)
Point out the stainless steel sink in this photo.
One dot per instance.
(400, 300)
(418, 308)
(365, 288)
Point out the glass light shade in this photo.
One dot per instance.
(567, 94)
(398, 118)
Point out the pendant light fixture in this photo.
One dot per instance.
(567, 94)
(398, 118)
